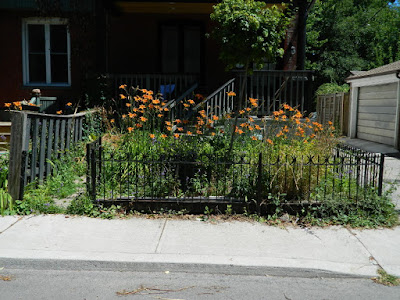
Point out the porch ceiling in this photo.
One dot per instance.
(165, 7)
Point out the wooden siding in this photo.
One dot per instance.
(377, 113)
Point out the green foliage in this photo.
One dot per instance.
(249, 32)
(386, 279)
(92, 126)
(6, 202)
(64, 182)
(351, 35)
(4, 161)
(332, 88)
(338, 205)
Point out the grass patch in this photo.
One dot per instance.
(386, 279)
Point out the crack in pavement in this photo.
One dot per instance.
(371, 257)
(19, 219)
(162, 232)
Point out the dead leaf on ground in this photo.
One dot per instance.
(5, 278)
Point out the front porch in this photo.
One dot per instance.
(272, 88)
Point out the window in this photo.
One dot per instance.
(46, 52)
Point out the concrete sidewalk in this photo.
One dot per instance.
(333, 250)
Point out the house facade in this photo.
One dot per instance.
(61, 46)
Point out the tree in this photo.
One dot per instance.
(351, 35)
(249, 31)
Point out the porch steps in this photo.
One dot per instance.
(5, 135)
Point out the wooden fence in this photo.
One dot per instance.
(334, 108)
(36, 139)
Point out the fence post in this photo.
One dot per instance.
(259, 184)
(380, 182)
(19, 135)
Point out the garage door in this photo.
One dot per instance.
(377, 113)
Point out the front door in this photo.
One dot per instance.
(181, 48)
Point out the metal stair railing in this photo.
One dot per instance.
(219, 103)
(176, 107)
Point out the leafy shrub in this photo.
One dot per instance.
(332, 88)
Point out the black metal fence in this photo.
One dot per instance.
(347, 175)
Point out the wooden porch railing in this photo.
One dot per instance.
(154, 82)
(35, 140)
(219, 103)
(272, 88)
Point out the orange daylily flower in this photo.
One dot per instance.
(160, 115)
(199, 132)
(143, 119)
(254, 138)
(168, 123)
(269, 141)
(178, 121)
(253, 102)
(189, 133)
(152, 136)
(123, 116)
(122, 96)
(186, 105)
(251, 119)
(176, 135)
(138, 125)
(180, 129)
(59, 112)
(241, 112)
(163, 135)
(69, 104)
(112, 121)
(7, 104)
(240, 131)
(231, 93)
(128, 104)
(156, 101)
(169, 128)
(215, 118)
(251, 128)
(257, 127)
(191, 101)
(130, 129)
(221, 131)
(122, 86)
(166, 109)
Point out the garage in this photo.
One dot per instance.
(375, 104)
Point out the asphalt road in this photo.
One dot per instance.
(55, 281)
